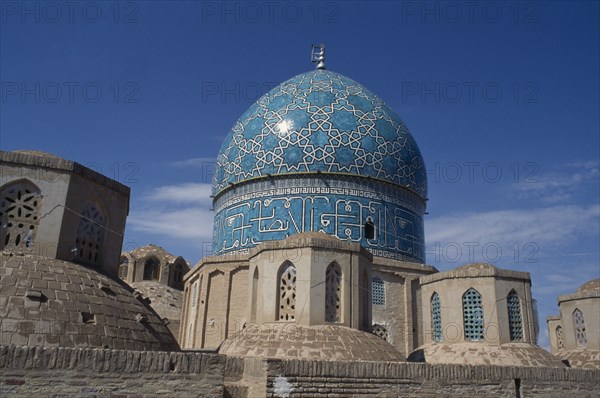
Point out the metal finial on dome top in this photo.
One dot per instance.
(318, 55)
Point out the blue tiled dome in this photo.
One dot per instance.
(320, 121)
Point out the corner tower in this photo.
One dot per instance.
(321, 153)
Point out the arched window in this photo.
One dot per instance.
(369, 230)
(178, 276)
(90, 235)
(380, 331)
(123, 267)
(333, 293)
(436, 317)
(560, 340)
(473, 315)
(287, 292)
(377, 291)
(20, 206)
(579, 324)
(515, 322)
(152, 269)
(254, 308)
(195, 294)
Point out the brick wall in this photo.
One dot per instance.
(70, 372)
(346, 379)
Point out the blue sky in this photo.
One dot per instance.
(502, 98)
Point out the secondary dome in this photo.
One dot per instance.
(320, 121)
(50, 302)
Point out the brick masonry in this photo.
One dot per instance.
(359, 379)
(73, 372)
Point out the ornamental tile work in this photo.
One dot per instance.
(338, 205)
(321, 153)
(320, 121)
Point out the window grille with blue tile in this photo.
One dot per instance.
(436, 317)
(377, 291)
(515, 321)
(473, 315)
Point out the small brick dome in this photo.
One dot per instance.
(590, 285)
(467, 353)
(50, 302)
(320, 342)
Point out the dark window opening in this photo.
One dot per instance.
(151, 269)
(369, 230)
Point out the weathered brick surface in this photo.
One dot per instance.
(359, 379)
(77, 307)
(71, 372)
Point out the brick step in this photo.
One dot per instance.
(235, 390)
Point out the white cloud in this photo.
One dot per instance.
(188, 223)
(508, 237)
(559, 186)
(175, 212)
(550, 225)
(182, 193)
(195, 162)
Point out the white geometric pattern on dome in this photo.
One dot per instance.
(320, 121)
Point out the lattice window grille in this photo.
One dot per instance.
(380, 330)
(333, 293)
(377, 291)
(90, 235)
(287, 294)
(20, 205)
(195, 295)
(436, 317)
(579, 324)
(560, 340)
(473, 315)
(515, 321)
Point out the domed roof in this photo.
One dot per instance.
(590, 285)
(320, 121)
(165, 300)
(50, 302)
(293, 341)
(478, 353)
(477, 267)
